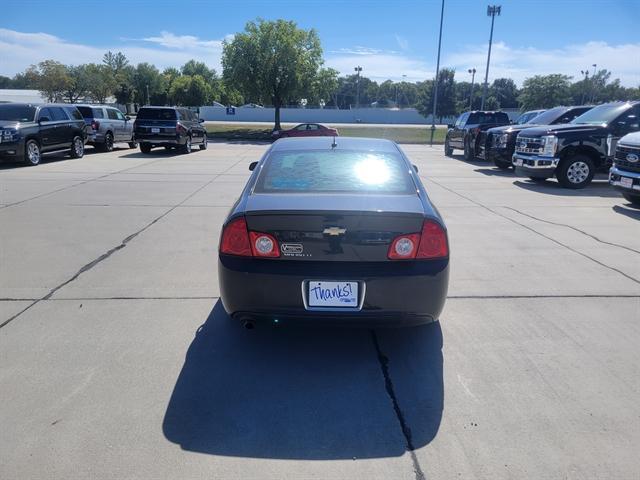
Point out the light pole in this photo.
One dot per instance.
(593, 80)
(492, 11)
(586, 82)
(435, 88)
(472, 71)
(358, 69)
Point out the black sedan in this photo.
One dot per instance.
(334, 231)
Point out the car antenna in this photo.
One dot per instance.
(333, 143)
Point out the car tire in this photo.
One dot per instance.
(107, 146)
(502, 165)
(468, 153)
(32, 154)
(77, 147)
(448, 151)
(186, 148)
(133, 143)
(632, 199)
(205, 142)
(145, 147)
(575, 172)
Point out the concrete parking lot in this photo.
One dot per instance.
(117, 360)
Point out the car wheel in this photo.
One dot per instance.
(32, 153)
(77, 147)
(538, 179)
(133, 143)
(468, 152)
(145, 147)
(633, 199)
(205, 142)
(448, 151)
(575, 172)
(186, 148)
(502, 165)
(107, 146)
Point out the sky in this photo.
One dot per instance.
(390, 39)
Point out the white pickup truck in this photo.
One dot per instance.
(624, 175)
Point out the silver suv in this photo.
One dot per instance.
(107, 126)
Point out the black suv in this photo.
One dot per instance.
(500, 142)
(27, 131)
(465, 133)
(168, 127)
(575, 151)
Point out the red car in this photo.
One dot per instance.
(307, 130)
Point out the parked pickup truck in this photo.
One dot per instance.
(575, 151)
(465, 133)
(498, 144)
(625, 172)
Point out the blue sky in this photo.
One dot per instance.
(389, 39)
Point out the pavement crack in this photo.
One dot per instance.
(383, 360)
(531, 229)
(575, 229)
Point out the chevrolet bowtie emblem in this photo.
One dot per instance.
(334, 231)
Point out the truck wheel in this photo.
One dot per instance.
(145, 147)
(205, 142)
(448, 151)
(32, 153)
(575, 172)
(133, 143)
(633, 199)
(468, 151)
(77, 147)
(502, 165)
(107, 146)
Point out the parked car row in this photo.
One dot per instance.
(27, 131)
(570, 143)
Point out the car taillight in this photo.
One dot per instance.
(238, 240)
(264, 245)
(235, 239)
(95, 125)
(431, 242)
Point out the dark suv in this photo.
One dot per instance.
(107, 126)
(27, 131)
(168, 127)
(500, 142)
(465, 134)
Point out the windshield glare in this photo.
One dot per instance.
(17, 113)
(601, 114)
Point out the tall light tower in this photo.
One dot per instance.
(358, 69)
(593, 80)
(435, 88)
(492, 11)
(584, 85)
(472, 71)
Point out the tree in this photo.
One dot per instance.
(190, 91)
(122, 73)
(446, 102)
(272, 61)
(78, 84)
(100, 82)
(545, 91)
(230, 96)
(51, 78)
(324, 86)
(505, 92)
(149, 85)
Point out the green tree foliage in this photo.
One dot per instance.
(51, 78)
(78, 84)
(446, 103)
(123, 75)
(545, 91)
(324, 87)
(100, 83)
(505, 92)
(190, 91)
(147, 78)
(273, 61)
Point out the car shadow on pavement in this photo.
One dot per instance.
(305, 393)
(597, 188)
(628, 210)
(157, 152)
(494, 172)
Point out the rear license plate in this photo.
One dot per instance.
(332, 294)
(517, 162)
(626, 182)
(155, 130)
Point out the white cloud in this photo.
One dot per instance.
(18, 50)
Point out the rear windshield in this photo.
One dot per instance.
(488, 117)
(336, 171)
(601, 114)
(17, 113)
(157, 114)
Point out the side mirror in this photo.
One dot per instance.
(252, 166)
(127, 118)
(201, 120)
(415, 168)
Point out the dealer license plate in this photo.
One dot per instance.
(155, 130)
(626, 182)
(332, 294)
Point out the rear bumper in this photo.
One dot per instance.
(160, 140)
(396, 293)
